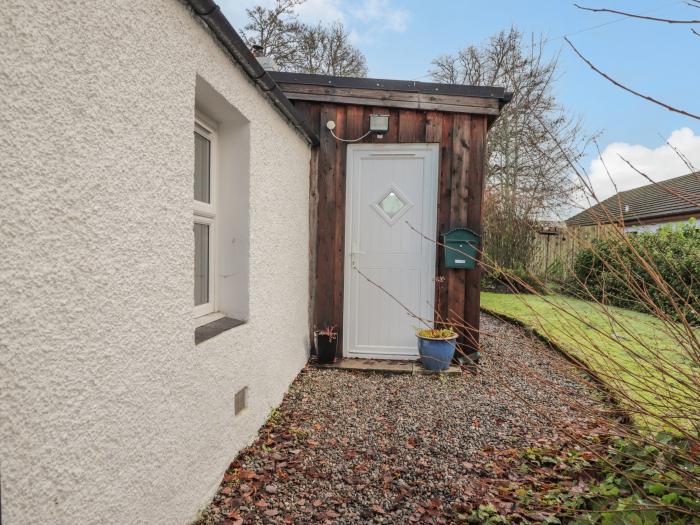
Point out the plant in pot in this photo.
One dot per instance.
(436, 346)
(326, 345)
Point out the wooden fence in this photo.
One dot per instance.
(555, 249)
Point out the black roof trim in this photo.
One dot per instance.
(408, 86)
(212, 16)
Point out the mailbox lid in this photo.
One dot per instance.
(461, 235)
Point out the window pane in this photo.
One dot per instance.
(201, 264)
(391, 204)
(202, 151)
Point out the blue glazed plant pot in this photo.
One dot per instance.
(436, 354)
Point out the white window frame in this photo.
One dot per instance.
(205, 213)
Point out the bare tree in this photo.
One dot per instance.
(275, 30)
(325, 49)
(528, 177)
(321, 48)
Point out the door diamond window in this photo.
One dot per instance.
(392, 205)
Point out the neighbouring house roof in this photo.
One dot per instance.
(661, 200)
(227, 36)
(407, 94)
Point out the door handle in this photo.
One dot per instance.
(355, 250)
(353, 255)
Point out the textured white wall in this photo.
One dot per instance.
(654, 227)
(108, 412)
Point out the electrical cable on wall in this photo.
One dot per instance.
(378, 124)
(331, 126)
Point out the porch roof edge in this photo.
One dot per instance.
(381, 84)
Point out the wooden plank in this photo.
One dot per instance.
(309, 112)
(392, 136)
(411, 126)
(433, 126)
(339, 225)
(313, 235)
(325, 237)
(356, 126)
(436, 124)
(366, 112)
(444, 199)
(460, 168)
(294, 90)
(477, 173)
(424, 106)
(456, 282)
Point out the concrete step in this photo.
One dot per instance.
(386, 366)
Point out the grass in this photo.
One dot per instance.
(624, 349)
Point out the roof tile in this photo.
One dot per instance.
(678, 196)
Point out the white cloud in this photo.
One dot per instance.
(327, 11)
(356, 38)
(659, 163)
(384, 12)
(359, 17)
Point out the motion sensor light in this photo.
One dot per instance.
(379, 124)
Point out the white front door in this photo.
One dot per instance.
(389, 187)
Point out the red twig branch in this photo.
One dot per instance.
(630, 90)
(641, 17)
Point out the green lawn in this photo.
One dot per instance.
(624, 348)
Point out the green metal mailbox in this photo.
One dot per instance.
(461, 245)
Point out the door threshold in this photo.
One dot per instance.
(386, 366)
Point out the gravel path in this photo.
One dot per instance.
(349, 447)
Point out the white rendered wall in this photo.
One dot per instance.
(653, 227)
(108, 411)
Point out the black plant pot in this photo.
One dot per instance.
(325, 348)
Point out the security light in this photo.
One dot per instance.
(379, 124)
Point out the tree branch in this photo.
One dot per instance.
(641, 17)
(630, 90)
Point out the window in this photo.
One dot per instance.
(221, 204)
(204, 227)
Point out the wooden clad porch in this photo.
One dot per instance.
(461, 136)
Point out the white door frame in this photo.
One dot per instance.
(431, 152)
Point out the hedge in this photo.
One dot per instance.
(608, 269)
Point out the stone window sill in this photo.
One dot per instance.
(214, 327)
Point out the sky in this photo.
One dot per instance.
(401, 37)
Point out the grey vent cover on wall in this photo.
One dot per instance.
(240, 402)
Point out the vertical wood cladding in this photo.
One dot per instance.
(462, 140)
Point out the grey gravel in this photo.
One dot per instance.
(401, 448)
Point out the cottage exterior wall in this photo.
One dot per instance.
(108, 411)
